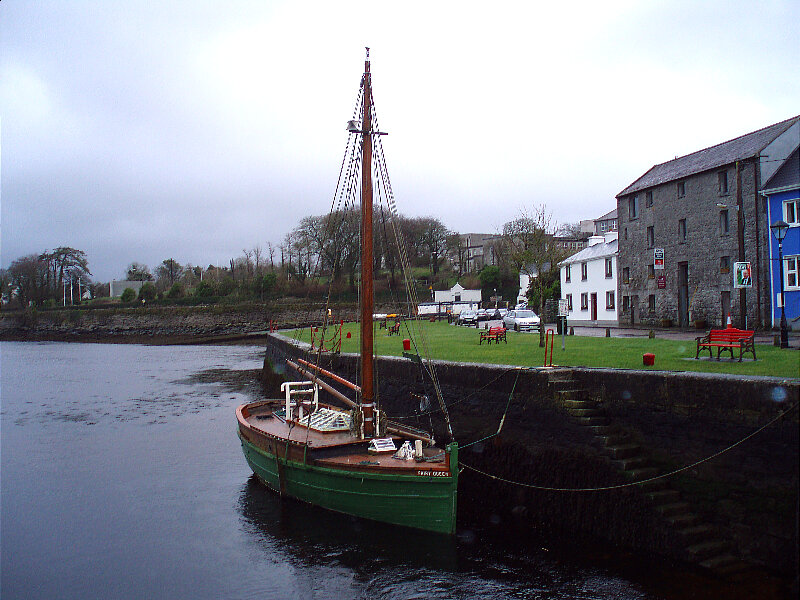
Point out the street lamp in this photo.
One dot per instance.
(779, 229)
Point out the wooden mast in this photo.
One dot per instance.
(367, 387)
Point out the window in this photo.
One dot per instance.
(584, 272)
(626, 233)
(790, 267)
(791, 212)
(724, 227)
(648, 198)
(722, 179)
(567, 273)
(681, 189)
(609, 300)
(651, 236)
(633, 207)
(651, 271)
(651, 303)
(626, 274)
(609, 268)
(569, 302)
(682, 230)
(725, 264)
(585, 301)
(626, 304)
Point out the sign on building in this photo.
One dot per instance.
(742, 275)
(662, 282)
(658, 258)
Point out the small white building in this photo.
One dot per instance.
(589, 281)
(115, 288)
(458, 295)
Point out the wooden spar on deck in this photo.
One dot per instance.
(367, 389)
(328, 388)
(333, 376)
(391, 427)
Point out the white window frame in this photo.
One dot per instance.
(584, 271)
(795, 207)
(585, 301)
(567, 274)
(609, 268)
(569, 302)
(794, 263)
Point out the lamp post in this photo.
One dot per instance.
(779, 229)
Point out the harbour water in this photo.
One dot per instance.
(122, 477)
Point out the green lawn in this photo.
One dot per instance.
(460, 344)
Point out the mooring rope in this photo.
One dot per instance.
(633, 483)
(502, 420)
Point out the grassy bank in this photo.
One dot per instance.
(460, 344)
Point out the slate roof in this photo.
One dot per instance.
(609, 215)
(602, 250)
(788, 174)
(725, 153)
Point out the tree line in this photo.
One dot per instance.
(320, 255)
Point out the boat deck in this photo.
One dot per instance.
(353, 452)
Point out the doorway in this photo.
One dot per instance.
(594, 306)
(683, 294)
(726, 307)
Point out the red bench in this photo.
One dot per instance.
(727, 340)
(493, 334)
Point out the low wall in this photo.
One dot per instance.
(750, 492)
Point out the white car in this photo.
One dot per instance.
(521, 320)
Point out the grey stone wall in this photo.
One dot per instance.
(703, 248)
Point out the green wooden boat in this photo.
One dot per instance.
(351, 460)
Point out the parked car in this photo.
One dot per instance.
(467, 317)
(483, 314)
(521, 320)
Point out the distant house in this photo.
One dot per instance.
(589, 281)
(458, 294)
(117, 287)
(782, 191)
(601, 225)
(476, 251)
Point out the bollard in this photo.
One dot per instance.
(651, 334)
(608, 332)
(406, 345)
(648, 359)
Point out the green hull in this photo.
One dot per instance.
(417, 501)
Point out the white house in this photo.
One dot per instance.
(589, 281)
(458, 297)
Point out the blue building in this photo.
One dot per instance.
(782, 191)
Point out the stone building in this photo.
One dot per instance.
(700, 214)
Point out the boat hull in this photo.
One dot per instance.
(421, 501)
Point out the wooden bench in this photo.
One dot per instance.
(395, 329)
(493, 334)
(727, 340)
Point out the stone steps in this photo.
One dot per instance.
(676, 508)
(702, 544)
(633, 462)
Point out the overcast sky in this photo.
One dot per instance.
(139, 131)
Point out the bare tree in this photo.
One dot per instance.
(529, 248)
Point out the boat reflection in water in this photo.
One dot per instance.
(311, 535)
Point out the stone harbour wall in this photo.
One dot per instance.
(749, 493)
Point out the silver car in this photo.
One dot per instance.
(467, 317)
(521, 320)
